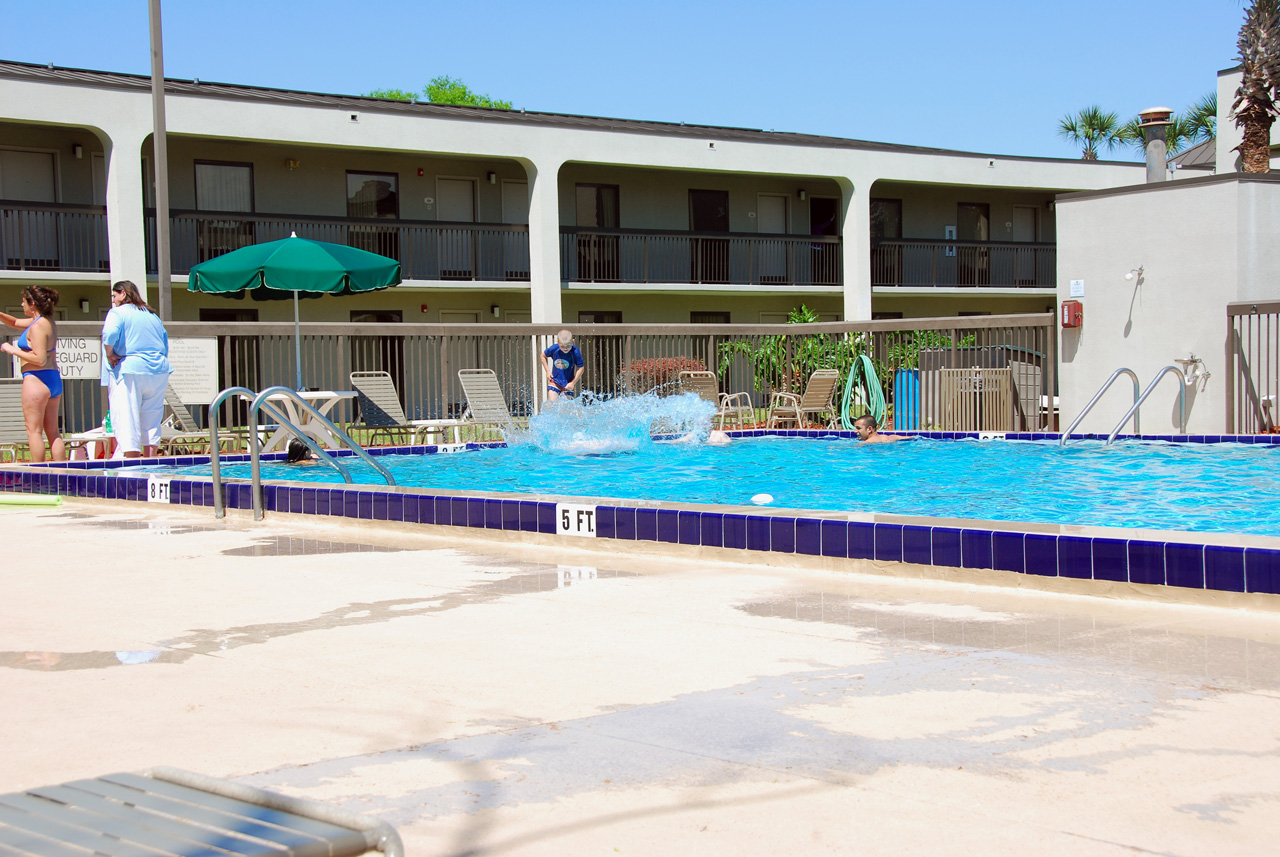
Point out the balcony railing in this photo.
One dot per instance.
(963, 264)
(713, 258)
(47, 236)
(426, 250)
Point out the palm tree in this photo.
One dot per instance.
(1255, 106)
(1197, 124)
(1092, 127)
(1202, 118)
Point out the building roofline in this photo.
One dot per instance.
(120, 80)
(1155, 187)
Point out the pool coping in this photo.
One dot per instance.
(1222, 562)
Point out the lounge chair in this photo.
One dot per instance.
(735, 406)
(166, 812)
(486, 404)
(818, 399)
(382, 415)
(13, 428)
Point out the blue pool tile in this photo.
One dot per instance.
(511, 515)
(1110, 560)
(426, 509)
(268, 494)
(624, 523)
(888, 542)
(757, 533)
(409, 508)
(835, 538)
(350, 502)
(668, 526)
(393, 507)
(1146, 562)
(945, 544)
(605, 518)
(309, 501)
(735, 531)
(809, 536)
(1224, 568)
(528, 516)
(476, 512)
(381, 506)
(444, 511)
(1007, 553)
(367, 505)
(1262, 570)
(1075, 557)
(647, 525)
(492, 514)
(547, 518)
(690, 528)
(711, 529)
(975, 548)
(458, 514)
(1040, 552)
(782, 535)
(1184, 565)
(917, 545)
(861, 540)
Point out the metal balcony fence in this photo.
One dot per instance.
(993, 373)
(712, 258)
(1253, 367)
(963, 264)
(426, 250)
(50, 236)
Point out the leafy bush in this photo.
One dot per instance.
(657, 373)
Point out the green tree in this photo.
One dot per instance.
(443, 90)
(1202, 118)
(1092, 128)
(1254, 107)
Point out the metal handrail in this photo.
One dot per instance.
(1137, 388)
(255, 442)
(1182, 403)
(215, 445)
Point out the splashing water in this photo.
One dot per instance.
(599, 426)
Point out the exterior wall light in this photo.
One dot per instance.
(84, 305)
(292, 163)
(78, 151)
(493, 177)
(803, 196)
(1136, 272)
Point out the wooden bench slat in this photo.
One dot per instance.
(19, 843)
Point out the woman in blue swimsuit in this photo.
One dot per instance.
(37, 350)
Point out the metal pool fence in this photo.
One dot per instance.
(1253, 366)
(988, 373)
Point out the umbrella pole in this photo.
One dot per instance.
(297, 341)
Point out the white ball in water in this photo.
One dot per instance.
(762, 499)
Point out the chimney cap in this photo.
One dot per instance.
(1155, 116)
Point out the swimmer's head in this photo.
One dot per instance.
(297, 451)
(565, 338)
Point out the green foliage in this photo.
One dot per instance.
(1092, 128)
(1196, 124)
(443, 90)
(393, 94)
(785, 362)
(905, 353)
(451, 90)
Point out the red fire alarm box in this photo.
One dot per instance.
(1072, 313)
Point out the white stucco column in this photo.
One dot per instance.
(544, 241)
(856, 244)
(126, 235)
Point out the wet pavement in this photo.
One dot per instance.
(504, 698)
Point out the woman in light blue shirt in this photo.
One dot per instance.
(137, 350)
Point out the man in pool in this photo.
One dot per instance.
(869, 432)
(564, 367)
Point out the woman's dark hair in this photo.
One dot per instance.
(132, 295)
(297, 451)
(43, 298)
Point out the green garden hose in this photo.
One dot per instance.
(862, 369)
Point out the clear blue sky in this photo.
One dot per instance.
(991, 77)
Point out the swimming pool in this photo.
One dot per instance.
(1224, 488)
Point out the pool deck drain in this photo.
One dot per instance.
(527, 699)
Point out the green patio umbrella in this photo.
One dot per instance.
(295, 265)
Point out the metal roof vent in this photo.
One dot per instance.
(1153, 121)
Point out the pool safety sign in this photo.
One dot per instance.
(573, 519)
(158, 489)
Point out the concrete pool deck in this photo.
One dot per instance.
(507, 698)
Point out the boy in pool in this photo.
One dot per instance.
(564, 366)
(869, 432)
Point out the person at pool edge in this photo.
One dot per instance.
(869, 432)
(564, 366)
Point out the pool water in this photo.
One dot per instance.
(1228, 488)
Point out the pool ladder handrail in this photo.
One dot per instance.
(1132, 412)
(258, 403)
(1137, 391)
